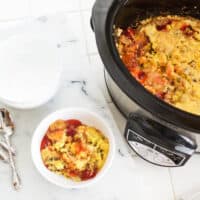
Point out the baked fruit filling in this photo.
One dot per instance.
(74, 150)
(163, 54)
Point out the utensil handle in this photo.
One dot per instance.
(15, 177)
(3, 156)
(5, 147)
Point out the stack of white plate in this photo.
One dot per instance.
(30, 69)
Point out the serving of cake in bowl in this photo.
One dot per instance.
(74, 150)
(73, 147)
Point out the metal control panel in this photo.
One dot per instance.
(153, 152)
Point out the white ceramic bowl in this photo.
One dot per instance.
(85, 116)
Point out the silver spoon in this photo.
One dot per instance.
(5, 147)
(7, 126)
(4, 156)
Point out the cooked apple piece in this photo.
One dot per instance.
(57, 125)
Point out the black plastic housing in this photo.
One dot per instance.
(109, 13)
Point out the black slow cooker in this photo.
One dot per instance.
(155, 130)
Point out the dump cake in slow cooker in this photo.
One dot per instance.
(163, 54)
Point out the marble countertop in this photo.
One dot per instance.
(83, 85)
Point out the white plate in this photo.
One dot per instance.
(30, 68)
(85, 116)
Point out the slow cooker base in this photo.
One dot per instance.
(113, 100)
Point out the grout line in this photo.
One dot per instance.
(172, 184)
(32, 16)
(63, 12)
(86, 10)
(89, 57)
(82, 11)
(93, 54)
(30, 8)
(14, 19)
(84, 33)
(75, 11)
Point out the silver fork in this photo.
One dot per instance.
(7, 127)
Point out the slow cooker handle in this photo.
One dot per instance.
(156, 143)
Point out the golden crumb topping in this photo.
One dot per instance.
(163, 54)
(74, 150)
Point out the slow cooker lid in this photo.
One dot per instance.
(106, 14)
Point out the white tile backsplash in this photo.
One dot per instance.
(43, 7)
(186, 179)
(147, 182)
(89, 34)
(74, 48)
(14, 9)
(86, 4)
